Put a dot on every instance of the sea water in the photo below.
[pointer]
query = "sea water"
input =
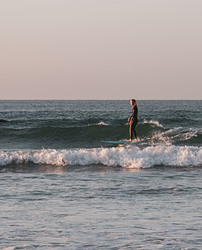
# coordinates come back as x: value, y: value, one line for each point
x: 61, y: 187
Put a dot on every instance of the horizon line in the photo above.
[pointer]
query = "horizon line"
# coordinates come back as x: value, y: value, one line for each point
x: 62, y: 99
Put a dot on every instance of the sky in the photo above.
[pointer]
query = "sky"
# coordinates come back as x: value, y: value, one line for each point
x: 101, y: 49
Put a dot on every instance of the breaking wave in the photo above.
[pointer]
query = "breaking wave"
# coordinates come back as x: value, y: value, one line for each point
x: 128, y: 157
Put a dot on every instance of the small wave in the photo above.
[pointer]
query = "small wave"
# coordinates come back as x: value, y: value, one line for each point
x: 186, y: 135
x: 128, y: 157
x: 182, y: 134
x: 91, y: 135
x: 102, y: 124
x: 156, y: 123
x: 173, y: 131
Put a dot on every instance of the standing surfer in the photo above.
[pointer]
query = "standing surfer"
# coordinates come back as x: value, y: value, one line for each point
x: 133, y: 120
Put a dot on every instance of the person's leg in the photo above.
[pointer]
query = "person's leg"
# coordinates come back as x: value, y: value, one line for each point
x: 135, y: 134
x: 130, y: 132
x: 133, y: 129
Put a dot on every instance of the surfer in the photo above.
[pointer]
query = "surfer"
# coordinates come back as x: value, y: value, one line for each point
x: 133, y: 120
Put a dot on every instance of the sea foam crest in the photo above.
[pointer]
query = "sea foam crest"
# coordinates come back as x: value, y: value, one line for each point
x: 156, y: 123
x: 181, y: 133
x: 129, y: 157
x: 102, y: 124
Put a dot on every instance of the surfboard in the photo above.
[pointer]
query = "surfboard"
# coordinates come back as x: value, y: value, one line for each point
x: 122, y: 143
x: 119, y: 142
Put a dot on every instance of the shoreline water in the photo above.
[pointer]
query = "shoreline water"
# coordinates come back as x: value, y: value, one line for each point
x: 120, y: 208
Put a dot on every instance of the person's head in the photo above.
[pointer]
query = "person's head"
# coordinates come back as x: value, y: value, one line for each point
x: 132, y: 102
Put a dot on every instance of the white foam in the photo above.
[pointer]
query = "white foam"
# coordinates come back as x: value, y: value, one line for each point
x: 129, y: 157
x: 102, y: 124
x: 181, y: 133
x: 173, y: 131
x: 156, y: 123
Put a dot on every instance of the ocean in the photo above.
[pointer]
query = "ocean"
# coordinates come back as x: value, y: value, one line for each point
x: 62, y: 187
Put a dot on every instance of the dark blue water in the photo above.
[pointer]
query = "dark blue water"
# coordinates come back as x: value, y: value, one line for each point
x: 61, y: 187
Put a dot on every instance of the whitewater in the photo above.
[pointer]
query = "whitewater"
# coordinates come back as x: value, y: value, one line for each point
x: 129, y: 157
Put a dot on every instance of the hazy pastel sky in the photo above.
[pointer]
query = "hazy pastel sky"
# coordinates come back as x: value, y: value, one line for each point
x: 101, y: 49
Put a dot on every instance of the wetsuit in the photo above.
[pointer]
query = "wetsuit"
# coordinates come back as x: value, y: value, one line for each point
x: 133, y: 122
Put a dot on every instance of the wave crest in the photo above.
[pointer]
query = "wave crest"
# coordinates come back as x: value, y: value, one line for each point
x: 152, y: 122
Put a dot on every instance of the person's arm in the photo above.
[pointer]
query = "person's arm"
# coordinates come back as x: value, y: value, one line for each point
x: 130, y: 118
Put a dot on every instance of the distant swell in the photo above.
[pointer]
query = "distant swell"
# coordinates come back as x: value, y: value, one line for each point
x: 129, y: 157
